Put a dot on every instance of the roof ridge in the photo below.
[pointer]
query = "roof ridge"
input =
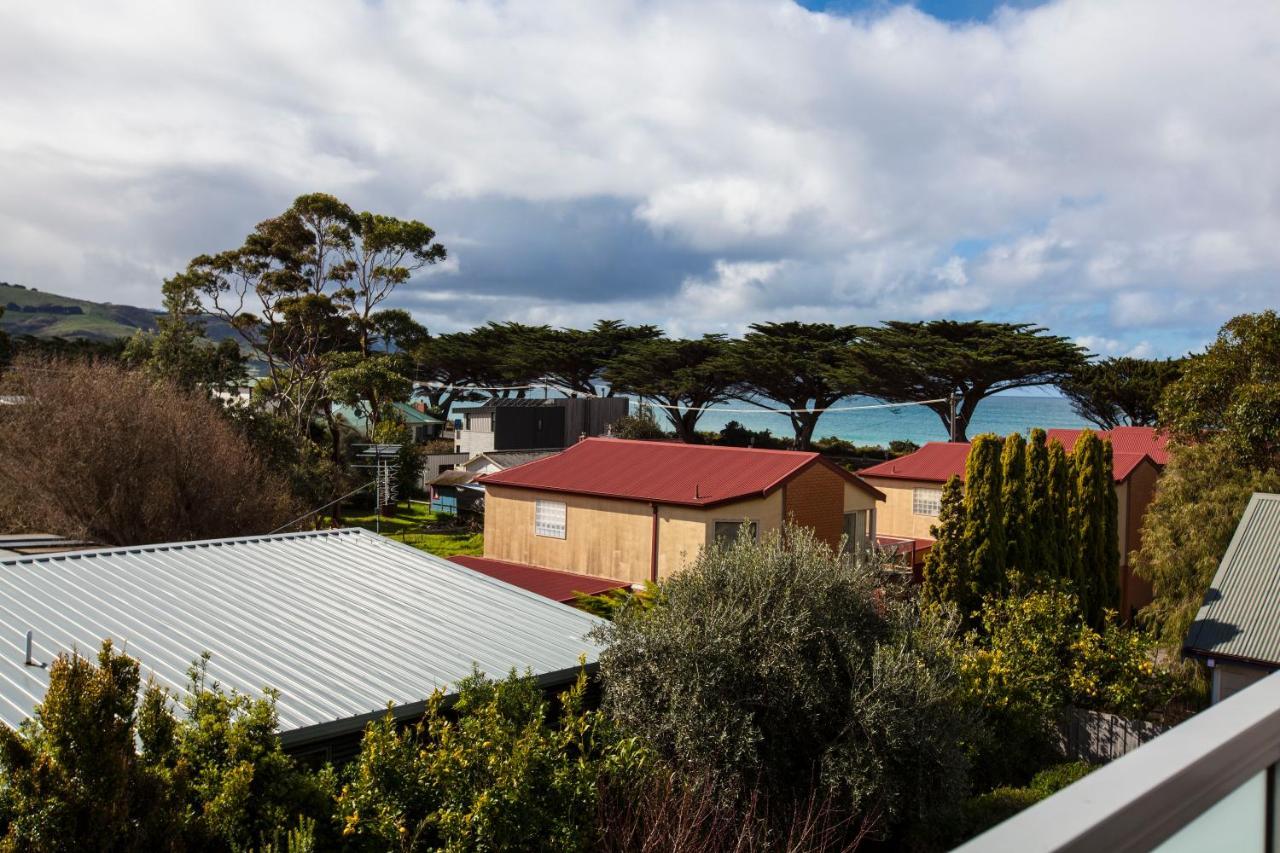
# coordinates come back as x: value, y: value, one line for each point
x: 193, y: 543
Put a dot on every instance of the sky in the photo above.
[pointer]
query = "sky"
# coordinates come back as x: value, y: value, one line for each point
x: 1109, y: 169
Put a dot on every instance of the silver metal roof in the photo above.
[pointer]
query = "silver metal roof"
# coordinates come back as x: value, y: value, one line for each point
x: 340, y: 622
x: 1241, y: 613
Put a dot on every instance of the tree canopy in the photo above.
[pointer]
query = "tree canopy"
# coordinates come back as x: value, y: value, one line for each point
x: 1231, y: 393
x: 1120, y: 391
x: 680, y: 376
x: 795, y: 365
x: 905, y: 362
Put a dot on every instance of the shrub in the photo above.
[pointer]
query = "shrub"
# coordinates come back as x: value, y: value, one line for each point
x: 492, y: 773
x: 213, y: 778
x: 103, y: 453
x: 770, y: 669
x: 986, y: 810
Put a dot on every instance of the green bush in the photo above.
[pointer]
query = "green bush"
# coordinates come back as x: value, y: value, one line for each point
x: 491, y: 773
x: 986, y: 810
x: 212, y: 778
x: 773, y: 667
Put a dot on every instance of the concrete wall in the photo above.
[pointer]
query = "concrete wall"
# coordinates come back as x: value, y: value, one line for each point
x: 895, y: 517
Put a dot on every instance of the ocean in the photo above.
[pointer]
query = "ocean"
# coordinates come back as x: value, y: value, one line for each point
x: 1001, y: 414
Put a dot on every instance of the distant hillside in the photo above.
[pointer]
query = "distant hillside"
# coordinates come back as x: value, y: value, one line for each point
x: 47, y: 315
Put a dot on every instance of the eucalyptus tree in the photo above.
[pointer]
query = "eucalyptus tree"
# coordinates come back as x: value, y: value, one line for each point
x: 306, y: 284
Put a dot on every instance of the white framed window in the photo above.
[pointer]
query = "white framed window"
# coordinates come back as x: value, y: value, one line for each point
x: 548, y: 519
x: 727, y: 532
x: 926, y: 501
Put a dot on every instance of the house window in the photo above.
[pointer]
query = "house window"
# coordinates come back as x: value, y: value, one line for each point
x: 727, y: 532
x: 926, y: 501
x: 548, y: 519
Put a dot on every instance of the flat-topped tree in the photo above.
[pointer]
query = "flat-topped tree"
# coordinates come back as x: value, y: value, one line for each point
x: 902, y: 362
x: 682, y: 376
x: 797, y: 369
x: 576, y: 359
x: 1120, y: 391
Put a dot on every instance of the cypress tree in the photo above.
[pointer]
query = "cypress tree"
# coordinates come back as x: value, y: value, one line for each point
x: 1111, y: 555
x: 946, y: 565
x: 984, y: 516
x: 1061, y: 540
x: 1089, y: 513
x: 1042, y: 558
x: 1013, y: 496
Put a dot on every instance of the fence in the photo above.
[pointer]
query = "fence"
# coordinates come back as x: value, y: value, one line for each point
x: 1098, y: 737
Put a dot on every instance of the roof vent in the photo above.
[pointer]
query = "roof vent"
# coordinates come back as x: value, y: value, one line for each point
x: 30, y: 661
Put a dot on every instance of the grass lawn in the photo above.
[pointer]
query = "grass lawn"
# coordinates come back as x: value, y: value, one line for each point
x: 412, y: 517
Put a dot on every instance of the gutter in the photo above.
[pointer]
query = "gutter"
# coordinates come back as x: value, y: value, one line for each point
x: 409, y: 712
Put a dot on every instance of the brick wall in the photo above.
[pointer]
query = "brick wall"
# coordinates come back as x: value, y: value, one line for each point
x: 815, y: 498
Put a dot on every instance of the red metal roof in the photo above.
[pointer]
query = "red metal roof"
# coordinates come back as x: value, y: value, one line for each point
x: 665, y: 472
x: 558, y: 586
x: 1126, y: 439
x: 934, y: 463
x: 937, y: 461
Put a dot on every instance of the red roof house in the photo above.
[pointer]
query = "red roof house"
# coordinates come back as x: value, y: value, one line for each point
x: 558, y: 586
x: 640, y: 510
x: 1125, y: 439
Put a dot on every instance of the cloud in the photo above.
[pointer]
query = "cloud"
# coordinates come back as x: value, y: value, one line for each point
x: 701, y: 165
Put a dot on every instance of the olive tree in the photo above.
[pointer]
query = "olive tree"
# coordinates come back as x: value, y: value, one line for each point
x: 770, y: 668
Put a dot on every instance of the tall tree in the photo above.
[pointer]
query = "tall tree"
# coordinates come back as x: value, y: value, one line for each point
x: 947, y: 576
x: 576, y: 359
x: 984, y: 516
x: 1041, y: 520
x: 1018, y: 533
x: 1186, y: 530
x: 180, y: 351
x: 798, y: 369
x: 308, y: 283
x: 1095, y: 535
x: 1064, y: 536
x: 1120, y: 391
x: 682, y: 377
x: 1231, y: 393
x: 905, y: 362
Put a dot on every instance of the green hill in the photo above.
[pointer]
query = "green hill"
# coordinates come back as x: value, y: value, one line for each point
x: 47, y: 315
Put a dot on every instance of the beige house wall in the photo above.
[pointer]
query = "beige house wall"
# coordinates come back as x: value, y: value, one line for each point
x: 603, y: 536
x: 607, y: 537
x: 683, y: 531
x: 894, y: 517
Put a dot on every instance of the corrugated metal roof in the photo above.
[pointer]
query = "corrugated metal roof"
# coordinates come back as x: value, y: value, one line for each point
x: 553, y: 584
x: 935, y: 462
x: 938, y: 460
x: 664, y: 472
x: 1241, y: 613
x: 510, y: 458
x: 1125, y: 439
x: 340, y: 622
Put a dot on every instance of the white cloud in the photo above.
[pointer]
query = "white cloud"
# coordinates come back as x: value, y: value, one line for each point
x: 1114, y: 159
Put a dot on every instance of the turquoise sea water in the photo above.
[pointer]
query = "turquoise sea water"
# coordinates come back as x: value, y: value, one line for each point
x: 1001, y: 414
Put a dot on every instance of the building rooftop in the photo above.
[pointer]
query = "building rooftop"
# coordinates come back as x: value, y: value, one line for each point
x: 1240, y: 618
x: 558, y: 586
x: 510, y: 458
x: 665, y: 472
x: 1126, y: 439
x: 938, y: 460
x: 340, y: 622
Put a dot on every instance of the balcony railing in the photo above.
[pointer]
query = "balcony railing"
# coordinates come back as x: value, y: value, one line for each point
x: 1207, y: 784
